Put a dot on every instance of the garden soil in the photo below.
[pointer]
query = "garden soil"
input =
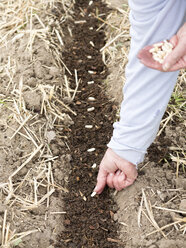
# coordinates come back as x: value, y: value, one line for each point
x: 74, y: 218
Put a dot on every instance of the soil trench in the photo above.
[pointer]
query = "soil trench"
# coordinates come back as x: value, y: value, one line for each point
x: 88, y: 220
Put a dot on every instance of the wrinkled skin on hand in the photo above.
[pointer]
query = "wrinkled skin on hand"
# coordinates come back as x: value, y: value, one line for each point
x: 115, y: 172
x: 176, y: 60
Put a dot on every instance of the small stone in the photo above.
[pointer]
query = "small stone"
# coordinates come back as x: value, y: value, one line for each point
x: 50, y: 135
x: 162, y: 196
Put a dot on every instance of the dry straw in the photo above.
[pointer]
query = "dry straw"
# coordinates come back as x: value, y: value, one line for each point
x: 17, y: 28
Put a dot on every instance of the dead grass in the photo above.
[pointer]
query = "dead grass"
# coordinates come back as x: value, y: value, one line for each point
x: 146, y: 209
x: 115, y: 52
x: 26, y: 20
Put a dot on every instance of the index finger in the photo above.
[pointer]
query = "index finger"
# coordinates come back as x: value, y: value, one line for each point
x: 101, y: 181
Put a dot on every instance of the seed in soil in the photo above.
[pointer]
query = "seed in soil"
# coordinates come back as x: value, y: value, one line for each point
x: 90, y: 109
x: 90, y: 3
x: 93, y: 194
x: 94, y: 166
x: 91, y: 72
x: 91, y: 98
x: 88, y: 126
x: 90, y: 82
x: 91, y: 150
x: 92, y: 44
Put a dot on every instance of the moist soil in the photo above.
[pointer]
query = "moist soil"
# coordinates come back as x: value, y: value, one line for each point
x: 98, y: 221
x: 89, y: 220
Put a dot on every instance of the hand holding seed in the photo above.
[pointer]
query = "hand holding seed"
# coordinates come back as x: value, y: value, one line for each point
x: 115, y: 171
x: 166, y: 56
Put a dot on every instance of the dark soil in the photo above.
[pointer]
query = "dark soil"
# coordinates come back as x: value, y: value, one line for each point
x: 89, y: 220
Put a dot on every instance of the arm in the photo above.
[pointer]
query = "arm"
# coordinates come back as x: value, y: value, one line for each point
x: 146, y: 93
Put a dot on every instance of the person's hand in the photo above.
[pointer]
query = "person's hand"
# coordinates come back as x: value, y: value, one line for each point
x: 115, y: 171
x: 176, y: 60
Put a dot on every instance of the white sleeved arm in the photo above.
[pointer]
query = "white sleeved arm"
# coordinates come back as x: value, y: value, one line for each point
x: 147, y: 91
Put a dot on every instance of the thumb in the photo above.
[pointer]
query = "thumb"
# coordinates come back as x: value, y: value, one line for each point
x: 174, y: 56
x: 101, y: 181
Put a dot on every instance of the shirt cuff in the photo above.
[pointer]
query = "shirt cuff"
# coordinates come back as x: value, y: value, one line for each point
x: 128, y: 153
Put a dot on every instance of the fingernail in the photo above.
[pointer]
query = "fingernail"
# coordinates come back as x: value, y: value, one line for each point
x: 166, y: 66
x: 95, y: 189
x: 118, y: 172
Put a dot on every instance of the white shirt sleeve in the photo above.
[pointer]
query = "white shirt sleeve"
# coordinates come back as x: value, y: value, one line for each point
x: 147, y: 91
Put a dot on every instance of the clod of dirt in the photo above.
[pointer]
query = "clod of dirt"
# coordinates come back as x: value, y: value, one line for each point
x: 180, y: 183
x: 55, y: 149
x: 67, y: 121
x: 153, y: 246
x: 169, y: 175
x: 32, y: 82
x: 54, y: 71
x: 171, y: 244
x: 32, y: 100
x: 182, y: 206
x: 39, y: 70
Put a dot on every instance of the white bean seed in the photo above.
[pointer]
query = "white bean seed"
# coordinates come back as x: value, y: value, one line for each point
x: 161, y: 50
x: 90, y: 82
x: 90, y: 109
x: 91, y: 98
x: 93, y: 194
x: 91, y: 72
x: 88, y: 126
x: 91, y: 43
x: 94, y: 166
x: 91, y: 150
